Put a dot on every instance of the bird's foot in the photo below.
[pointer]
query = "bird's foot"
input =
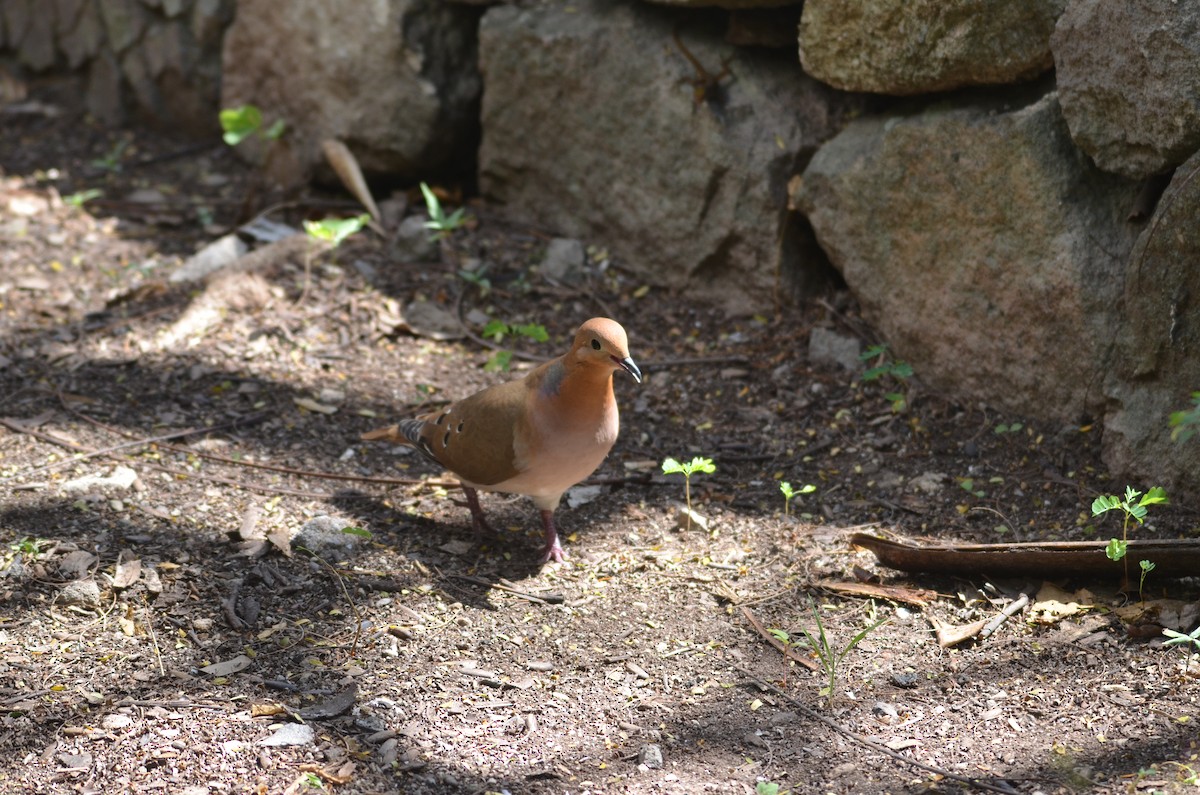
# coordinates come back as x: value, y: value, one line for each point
x: 477, y: 518
x: 553, y: 550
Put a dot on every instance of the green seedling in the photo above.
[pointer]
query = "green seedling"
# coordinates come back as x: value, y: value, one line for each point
x: 497, y: 330
x: 1133, y: 507
x: 671, y: 467
x: 244, y: 121
x: 1182, y: 640
x: 83, y: 197
x: 968, y: 485
x: 335, y: 230
x: 477, y: 278
x: 1146, y: 566
x: 885, y: 365
x: 827, y: 657
x: 1012, y: 428
x: 789, y: 493
x: 330, y: 230
x: 768, y: 788
x: 1185, y: 424
x: 111, y: 162
x: 441, y: 224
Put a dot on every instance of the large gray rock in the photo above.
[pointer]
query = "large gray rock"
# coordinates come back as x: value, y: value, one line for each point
x: 1157, y: 365
x: 394, y: 80
x: 1129, y: 78
x: 591, y: 129
x: 917, y: 46
x: 32, y: 32
x: 987, y: 249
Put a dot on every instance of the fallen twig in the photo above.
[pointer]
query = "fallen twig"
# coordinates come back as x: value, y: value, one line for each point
x: 1014, y: 607
x: 776, y: 642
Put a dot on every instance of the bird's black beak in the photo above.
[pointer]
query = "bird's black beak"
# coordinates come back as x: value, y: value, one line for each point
x: 628, y: 366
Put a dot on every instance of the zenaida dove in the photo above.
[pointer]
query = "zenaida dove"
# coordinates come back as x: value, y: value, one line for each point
x: 538, y: 435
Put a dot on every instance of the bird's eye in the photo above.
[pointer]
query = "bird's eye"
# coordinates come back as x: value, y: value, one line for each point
x: 596, y: 345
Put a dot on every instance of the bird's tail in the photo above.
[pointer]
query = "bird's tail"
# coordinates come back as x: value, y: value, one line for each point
x: 404, y: 432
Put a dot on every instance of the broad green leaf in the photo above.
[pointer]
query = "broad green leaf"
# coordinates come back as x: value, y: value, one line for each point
x: 239, y: 123
x: 1116, y: 548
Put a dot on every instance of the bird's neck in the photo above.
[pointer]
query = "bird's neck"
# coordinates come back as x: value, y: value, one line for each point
x: 577, y: 383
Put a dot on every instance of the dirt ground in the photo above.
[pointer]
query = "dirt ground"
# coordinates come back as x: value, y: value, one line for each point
x: 163, y: 629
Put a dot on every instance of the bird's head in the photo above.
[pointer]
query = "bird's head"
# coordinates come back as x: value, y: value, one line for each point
x: 601, y: 341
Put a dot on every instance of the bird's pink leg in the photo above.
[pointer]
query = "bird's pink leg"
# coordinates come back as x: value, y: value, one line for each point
x: 553, y: 550
x: 481, y: 522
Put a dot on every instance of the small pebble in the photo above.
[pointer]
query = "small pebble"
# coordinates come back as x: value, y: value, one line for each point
x: 651, y: 756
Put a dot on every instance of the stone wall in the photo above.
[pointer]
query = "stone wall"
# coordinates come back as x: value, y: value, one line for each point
x: 985, y: 175
x: 156, y: 60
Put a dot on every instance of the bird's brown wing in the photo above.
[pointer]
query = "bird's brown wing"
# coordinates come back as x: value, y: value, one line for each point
x: 474, y: 438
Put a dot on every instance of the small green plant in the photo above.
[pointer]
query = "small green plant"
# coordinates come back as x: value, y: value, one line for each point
x: 441, y: 224
x: 1010, y: 428
x: 244, y: 121
x: 1133, y: 507
x: 885, y: 365
x: 336, y: 230
x: 1185, y: 424
x: 968, y: 485
x: 111, y: 161
x: 789, y: 493
x: 827, y: 656
x: 1146, y: 566
x: 497, y: 330
x: 768, y: 788
x: 1182, y: 640
x: 333, y: 231
x: 82, y: 197
x: 671, y: 467
x: 477, y: 278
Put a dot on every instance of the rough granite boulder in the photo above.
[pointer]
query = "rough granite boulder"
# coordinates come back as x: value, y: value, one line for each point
x: 985, y: 247
x: 1157, y: 362
x: 597, y: 125
x: 918, y: 46
x: 394, y: 80
x: 1129, y: 82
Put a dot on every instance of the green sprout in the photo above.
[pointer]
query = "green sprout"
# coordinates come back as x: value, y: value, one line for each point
x: 827, y: 656
x: 497, y: 330
x: 111, y: 162
x: 1147, y: 566
x: 789, y: 493
x: 335, y: 230
x: 441, y: 224
x: 1185, y: 424
x: 246, y: 120
x: 887, y: 366
x: 1180, y: 639
x: 82, y: 197
x: 671, y: 467
x: 1134, y: 507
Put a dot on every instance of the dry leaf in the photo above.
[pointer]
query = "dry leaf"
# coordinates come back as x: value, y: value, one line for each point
x: 127, y: 573
x: 238, y: 663
x: 312, y: 405
x: 281, y: 539
x: 1054, y: 604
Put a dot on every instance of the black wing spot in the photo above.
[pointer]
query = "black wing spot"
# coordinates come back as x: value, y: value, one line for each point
x: 446, y: 440
x: 460, y: 426
x: 438, y: 421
